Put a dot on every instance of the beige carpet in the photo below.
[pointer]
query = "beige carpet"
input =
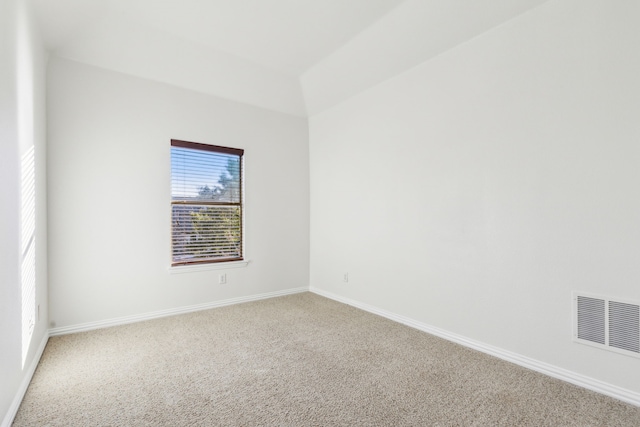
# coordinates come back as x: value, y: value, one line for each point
x: 299, y: 360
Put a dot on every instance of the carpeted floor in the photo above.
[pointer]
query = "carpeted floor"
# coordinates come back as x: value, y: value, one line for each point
x: 300, y: 360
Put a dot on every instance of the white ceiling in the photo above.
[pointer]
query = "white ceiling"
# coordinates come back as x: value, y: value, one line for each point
x: 293, y: 56
x: 287, y: 35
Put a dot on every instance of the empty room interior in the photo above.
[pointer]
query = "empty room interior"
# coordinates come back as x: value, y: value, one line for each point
x: 465, y: 171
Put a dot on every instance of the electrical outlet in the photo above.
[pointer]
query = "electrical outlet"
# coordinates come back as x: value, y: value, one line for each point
x: 222, y: 279
x: 345, y: 278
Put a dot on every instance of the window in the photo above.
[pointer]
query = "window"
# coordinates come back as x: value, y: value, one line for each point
x: 206, y: 203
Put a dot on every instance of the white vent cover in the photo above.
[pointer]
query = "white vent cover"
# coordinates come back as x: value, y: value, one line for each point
x: 610, y: 324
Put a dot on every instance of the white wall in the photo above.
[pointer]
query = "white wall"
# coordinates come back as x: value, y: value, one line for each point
x: 476, y: 191
x: 22, y: 127
x: 109, y: 193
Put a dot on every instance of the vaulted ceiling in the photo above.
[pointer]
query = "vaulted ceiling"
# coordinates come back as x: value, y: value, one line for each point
x: 294, y: 56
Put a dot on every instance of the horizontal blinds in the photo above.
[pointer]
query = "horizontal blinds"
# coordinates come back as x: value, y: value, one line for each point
x: 206, y: 197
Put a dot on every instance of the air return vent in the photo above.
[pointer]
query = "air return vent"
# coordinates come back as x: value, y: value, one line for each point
x: 610, y: 324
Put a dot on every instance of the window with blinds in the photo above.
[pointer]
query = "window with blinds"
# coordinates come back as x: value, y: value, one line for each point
x: 206, y: 203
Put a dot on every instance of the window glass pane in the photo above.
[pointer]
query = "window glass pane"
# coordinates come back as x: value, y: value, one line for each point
x: 204, y: 175
x: 206, y: 232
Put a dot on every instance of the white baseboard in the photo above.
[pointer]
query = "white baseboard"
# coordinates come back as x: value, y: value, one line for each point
x: 169, y: 312
x: 592, y: 384
x: 24, y: 385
